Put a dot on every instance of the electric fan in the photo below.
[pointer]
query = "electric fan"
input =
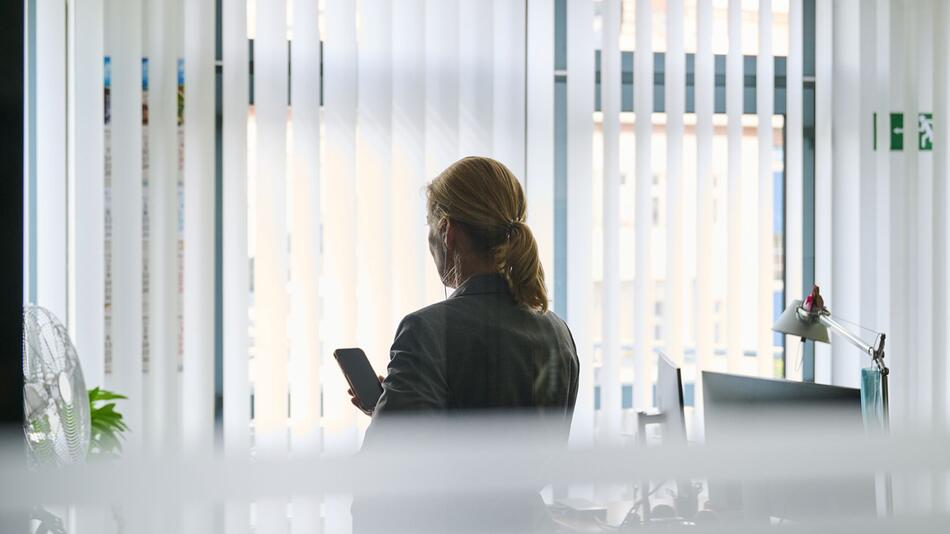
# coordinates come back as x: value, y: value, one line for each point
x: 56, y: 403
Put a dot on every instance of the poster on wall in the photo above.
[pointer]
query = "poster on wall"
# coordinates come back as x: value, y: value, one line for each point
x: 146, y: 231
x: 107, y: 191
x: 180, y: 188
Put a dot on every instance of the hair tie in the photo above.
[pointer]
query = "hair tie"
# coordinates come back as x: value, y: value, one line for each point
x: 509, y: 227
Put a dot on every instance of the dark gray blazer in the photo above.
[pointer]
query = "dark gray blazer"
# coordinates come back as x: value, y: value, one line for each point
x: 478, y: 350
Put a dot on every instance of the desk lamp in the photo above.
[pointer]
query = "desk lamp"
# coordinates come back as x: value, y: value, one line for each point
x: 812, y: 320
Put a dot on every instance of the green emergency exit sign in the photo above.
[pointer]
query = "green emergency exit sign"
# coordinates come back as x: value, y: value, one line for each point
x: 895, y: 130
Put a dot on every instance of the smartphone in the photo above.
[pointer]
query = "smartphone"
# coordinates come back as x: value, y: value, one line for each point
x: 360, y: 375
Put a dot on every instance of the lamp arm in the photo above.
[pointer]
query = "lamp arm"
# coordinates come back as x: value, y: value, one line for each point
x: 842, y: 331
x: 876, y: 353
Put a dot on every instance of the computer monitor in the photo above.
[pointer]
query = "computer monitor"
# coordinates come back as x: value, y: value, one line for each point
x: 767, y: 405
x: 669, y: 400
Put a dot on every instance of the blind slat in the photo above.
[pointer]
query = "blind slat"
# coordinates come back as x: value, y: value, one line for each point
x: 580, y: 107
x: 735, y: 258
x: 305, y: 227
x: 922, y: 276
x: 704, y: 221
x: 306, y: 355
x: 235, y: 262
x: 764, y: 68
x: 941, y: 90
x: 162, y: 387
x: 539, y: 173
x: 643, y: 291
x: 883, y: 203
x: 867, y: 301
x: 50, y: 138
x: 270, y: 254
x: 271, y: 304
x: 409, y: 159
x: 198, y: 372
x: 794, y: 199
x: 476, y: 45
x: 340, y: 214
x: 123, y: 45
x: 442, y: 97
x: 611, y: 349
x: 848, y: 183
x: 675, y: 100
x: 87, y: 289
x: 373, y: 163
x: 823, y: 172
x: 508, y: 85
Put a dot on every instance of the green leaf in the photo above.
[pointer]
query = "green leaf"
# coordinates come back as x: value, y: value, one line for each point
x: 98, y: 394
x: 107, y: 424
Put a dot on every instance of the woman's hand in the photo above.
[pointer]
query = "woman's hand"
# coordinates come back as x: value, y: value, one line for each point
x: 356, y: 403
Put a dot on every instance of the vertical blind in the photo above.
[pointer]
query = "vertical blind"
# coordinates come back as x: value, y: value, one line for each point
x: 326, y: 143
x: 327, y: 140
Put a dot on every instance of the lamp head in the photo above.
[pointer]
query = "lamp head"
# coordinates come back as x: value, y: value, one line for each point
x: 796, y: 321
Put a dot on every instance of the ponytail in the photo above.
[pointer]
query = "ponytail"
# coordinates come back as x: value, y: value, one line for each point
x: 518, y: 260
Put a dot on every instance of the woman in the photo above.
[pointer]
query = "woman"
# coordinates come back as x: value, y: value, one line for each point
x: 493, y: 345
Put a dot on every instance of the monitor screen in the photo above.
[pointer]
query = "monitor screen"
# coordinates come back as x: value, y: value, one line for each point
x: 762, y: 406
x: 669, y: 400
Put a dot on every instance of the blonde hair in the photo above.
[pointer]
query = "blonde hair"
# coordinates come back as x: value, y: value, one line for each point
x: 484, y: 197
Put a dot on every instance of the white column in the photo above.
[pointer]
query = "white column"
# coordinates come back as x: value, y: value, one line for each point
x: 235, y: 261
x: 409, y: 174
x: 766, y: 235
x: 198, y: 371
x: 610, y: 427
x: 124, y: 45
x: 580, y: 107
x: 509, y: 66
x: 823, y: 170
x: 794, y: 244
x: 51, y: 178
x: 373, y: 164
x: 704, y: 139
x: 539, y: 174
x: 476, y: 45
x: 734, y: 89
x: 675, y: 98
x: 86, y: 283
x: 644, y: 281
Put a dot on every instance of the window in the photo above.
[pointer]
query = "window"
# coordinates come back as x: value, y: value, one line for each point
x: 708, y: 263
